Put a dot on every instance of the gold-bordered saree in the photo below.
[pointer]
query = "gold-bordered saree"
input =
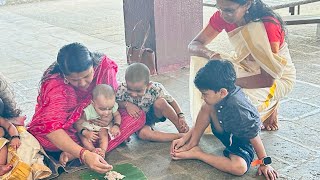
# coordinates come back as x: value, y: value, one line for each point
x: 27, y: 161
x: 252, y: 51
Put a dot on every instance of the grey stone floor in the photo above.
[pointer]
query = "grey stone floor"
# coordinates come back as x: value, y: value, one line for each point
x: 31, y: 35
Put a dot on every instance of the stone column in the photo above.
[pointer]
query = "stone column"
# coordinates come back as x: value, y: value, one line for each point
x: 174, y: 23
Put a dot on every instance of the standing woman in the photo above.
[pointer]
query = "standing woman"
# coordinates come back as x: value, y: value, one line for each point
x: 66, y: 89
x: 261, y: 58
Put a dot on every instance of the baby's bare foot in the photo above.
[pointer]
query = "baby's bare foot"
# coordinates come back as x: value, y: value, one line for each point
x: 5, y: 169
x: 65, y: 157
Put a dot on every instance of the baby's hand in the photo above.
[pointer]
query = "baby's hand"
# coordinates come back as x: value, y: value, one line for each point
x: 15, y: 143
x: 115, y: 131
x: 91, y: 135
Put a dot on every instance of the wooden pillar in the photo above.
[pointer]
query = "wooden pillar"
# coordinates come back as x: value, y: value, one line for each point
x: 174, y: 23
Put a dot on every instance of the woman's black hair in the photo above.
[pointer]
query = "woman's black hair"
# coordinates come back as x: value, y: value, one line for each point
x: 258, y: 11
x: 72, y: 58
x: 9, y: 109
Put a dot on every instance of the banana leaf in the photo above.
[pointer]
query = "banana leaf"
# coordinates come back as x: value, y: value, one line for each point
x: 131, y: 172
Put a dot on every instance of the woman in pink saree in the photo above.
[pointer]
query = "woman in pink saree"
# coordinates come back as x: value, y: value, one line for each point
x: 65, y: 91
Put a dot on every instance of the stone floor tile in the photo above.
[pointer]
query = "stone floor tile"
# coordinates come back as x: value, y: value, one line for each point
x: 293, y: 109
x: 300, y: 132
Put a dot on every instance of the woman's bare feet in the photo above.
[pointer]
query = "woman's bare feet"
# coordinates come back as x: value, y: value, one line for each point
x: 5, y: 169
x: 271, y: 123
x: 65, y: 157
x: 101, y: 152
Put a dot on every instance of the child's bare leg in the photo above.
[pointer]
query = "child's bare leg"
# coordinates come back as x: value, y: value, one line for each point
x: 3, y: 161
x: 3, y: 155
x: 65, y: 157
x: 87, y: 143
x: 163, y: 108
x: 3, y: 150
x: 146, y: 133
x: 2, y: 132
x: 104, y: 139
x: 5, y: 169
x: 233, y: 164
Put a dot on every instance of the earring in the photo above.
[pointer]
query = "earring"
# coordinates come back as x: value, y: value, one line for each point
x: 65, y: 80
x: 247, y: 12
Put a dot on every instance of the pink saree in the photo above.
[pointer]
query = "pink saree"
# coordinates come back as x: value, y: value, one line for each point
x: 60, y: 105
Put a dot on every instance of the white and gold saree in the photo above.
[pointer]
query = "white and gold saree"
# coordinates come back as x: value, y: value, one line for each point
x: 252, y: 51
x: 27, y: 161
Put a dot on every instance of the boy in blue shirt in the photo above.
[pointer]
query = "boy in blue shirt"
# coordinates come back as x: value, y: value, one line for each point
x: 233, y: 119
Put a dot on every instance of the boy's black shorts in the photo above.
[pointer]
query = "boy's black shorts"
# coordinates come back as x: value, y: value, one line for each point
x: 245, y: 151
x: 238, y: 147
x: 152, y: 119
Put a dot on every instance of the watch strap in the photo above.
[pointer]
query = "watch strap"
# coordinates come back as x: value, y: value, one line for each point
x: 257, y: 162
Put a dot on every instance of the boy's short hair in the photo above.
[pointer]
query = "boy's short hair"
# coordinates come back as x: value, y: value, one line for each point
x: 216, y: 74
x: 103, y: 89
x: 137, y: 72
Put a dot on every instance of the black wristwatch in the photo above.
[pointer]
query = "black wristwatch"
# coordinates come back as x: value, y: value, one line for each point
x: 266, y: 160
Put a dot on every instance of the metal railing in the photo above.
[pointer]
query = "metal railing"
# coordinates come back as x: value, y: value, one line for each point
x: 290, y: 5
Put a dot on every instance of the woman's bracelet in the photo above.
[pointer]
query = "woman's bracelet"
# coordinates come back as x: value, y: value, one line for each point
x: 83, y: 151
